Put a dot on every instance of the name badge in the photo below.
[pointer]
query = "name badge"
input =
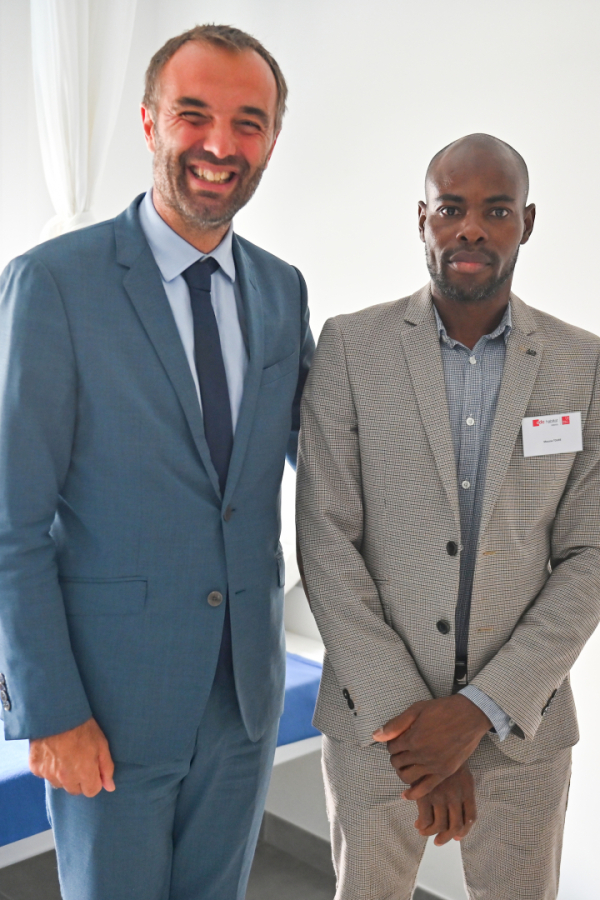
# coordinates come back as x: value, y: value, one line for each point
x: 552, y: 434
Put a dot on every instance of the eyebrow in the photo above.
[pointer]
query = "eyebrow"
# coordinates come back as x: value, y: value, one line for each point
x: 455, y: 198
x: 247, y: 110
x: 191, y: 101
x: 500, y: 198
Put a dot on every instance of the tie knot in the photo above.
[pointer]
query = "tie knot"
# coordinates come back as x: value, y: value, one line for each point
x: 198, y: 274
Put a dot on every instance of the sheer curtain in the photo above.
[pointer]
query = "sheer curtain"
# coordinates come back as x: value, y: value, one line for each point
x: 80, y: 50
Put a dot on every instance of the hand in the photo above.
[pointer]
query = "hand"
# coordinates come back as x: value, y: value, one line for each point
x: 431, y: 740
x: 449, y: 810
x: 78, y: 760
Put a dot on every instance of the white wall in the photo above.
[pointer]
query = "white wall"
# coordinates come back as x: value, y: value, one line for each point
x: 376, y: 89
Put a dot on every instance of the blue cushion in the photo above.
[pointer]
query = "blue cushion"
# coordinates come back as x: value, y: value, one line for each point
x: 302, y: 679
x: 22, y: 798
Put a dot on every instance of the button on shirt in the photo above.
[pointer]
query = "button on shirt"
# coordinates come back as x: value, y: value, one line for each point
x: 173, y: 255
x: 473, y: 379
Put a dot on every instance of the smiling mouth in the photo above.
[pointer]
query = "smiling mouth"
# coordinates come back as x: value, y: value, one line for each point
x: 212, y: 177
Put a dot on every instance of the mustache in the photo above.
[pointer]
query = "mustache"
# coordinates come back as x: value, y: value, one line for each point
x: 190, y: 157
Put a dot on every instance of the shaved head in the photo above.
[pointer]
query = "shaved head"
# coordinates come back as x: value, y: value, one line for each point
x: 471, y: 146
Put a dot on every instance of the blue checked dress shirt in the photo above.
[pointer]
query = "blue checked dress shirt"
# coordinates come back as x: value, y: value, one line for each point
x: 473, y: 379
x: 173, y: 255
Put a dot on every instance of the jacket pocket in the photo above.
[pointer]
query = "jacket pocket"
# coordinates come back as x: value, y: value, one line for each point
x: 279, y: 369
x: 104, y: 596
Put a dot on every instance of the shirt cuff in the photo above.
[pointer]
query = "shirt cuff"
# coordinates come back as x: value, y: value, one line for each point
x: 500, y: 720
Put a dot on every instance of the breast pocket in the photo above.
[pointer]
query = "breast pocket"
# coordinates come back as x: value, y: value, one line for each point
x: 283, y: 367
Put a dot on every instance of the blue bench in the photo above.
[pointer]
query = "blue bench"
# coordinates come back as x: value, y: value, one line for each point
x: 22, y: 799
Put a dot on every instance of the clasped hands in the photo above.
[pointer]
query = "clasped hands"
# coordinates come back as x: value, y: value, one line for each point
x: 429, y: 745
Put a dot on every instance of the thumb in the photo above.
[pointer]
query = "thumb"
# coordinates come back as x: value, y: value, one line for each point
x: 107, y: 769
x: 395, y: 727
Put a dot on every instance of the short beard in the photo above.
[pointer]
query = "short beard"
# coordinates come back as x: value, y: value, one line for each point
x: 478, y: 293
x: 171, y: 183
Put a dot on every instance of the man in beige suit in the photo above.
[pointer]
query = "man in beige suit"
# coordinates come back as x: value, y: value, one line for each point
x: 449, y: 525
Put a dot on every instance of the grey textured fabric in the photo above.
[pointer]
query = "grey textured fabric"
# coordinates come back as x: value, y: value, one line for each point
x: 473, y: 379
x: 512, y: 852
x: 378, y: 506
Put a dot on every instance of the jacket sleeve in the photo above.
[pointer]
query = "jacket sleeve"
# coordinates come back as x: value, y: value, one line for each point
x: 307, y: 349
x: 373, y: 667
x: 523, y: 677
x: 38, y: 388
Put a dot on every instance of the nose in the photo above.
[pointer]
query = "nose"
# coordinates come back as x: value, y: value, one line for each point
x: 471, y: 230
x: 220, y: 140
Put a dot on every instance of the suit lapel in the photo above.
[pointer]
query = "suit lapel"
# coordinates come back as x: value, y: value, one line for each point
x: 254, y: 325
x: 421, y: 344
x: 523, y: 356
x: 144, y: 286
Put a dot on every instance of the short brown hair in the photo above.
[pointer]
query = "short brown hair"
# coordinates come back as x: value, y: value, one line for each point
x: 228, y: 38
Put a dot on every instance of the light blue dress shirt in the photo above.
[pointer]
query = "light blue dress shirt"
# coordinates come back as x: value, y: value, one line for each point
x: 173, y: 255
x: 473, y: 379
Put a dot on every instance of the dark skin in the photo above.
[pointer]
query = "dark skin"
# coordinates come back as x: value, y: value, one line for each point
x: 473, y: 221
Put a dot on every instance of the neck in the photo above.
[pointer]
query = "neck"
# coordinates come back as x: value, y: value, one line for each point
x: 203, y: 239
x: 468, y: 322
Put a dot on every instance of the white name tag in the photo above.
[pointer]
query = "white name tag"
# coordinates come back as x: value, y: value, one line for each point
x: 552, y: 434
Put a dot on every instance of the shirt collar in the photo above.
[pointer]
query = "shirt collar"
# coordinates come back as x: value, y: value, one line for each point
x: 172, y: 253
x: 505, y: 327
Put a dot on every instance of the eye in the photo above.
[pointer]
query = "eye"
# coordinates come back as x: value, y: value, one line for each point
x: 248, y: 126
x: 194, y: 117
x: 499, y: 212
x: 449, y: 211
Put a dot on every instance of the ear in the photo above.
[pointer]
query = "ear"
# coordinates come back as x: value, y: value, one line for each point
x: 529, y: 220
x: 148, y: 125
x: 422, y: 219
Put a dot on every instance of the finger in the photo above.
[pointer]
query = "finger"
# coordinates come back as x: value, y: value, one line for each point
x: 455, y: 824
x: 89, y: 779
x: 107, y: 769
x: 53, y: 781
x: 440, y: 818
x: 400, y: 744
x: 422, y: 787
x: 410, y: 774
x: 72, y: 787
x: 469, y: 816
x: 425, y: 817
x: 395, y: 727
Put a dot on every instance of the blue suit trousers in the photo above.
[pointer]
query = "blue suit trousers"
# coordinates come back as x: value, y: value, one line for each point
x: 181, y: 830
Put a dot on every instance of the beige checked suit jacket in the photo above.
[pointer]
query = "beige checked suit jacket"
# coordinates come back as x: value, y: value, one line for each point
x: 377, y: 505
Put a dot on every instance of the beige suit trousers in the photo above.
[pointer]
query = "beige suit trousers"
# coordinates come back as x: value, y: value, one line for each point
x: 512, y: 853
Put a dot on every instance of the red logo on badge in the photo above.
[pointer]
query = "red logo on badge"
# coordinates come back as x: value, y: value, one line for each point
x: 566, y: 420
x: 537, y: 422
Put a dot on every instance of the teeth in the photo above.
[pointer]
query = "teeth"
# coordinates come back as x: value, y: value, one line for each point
x: 208, y: 175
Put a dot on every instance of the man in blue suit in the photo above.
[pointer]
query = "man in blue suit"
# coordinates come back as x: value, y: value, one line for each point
x: 151, y: 369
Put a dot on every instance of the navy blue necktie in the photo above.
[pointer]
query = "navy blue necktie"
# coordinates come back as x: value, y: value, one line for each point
x: 216, y: 409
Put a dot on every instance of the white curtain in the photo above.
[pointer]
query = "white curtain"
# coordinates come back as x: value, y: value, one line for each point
x: 80, y: 50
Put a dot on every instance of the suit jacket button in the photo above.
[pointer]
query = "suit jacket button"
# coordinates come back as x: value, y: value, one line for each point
x: 215, y: 598
x: 2, y: 678
x: 452, y: 548
x: 227, y: 513
x: 349, y: 699
x: 443, y: 626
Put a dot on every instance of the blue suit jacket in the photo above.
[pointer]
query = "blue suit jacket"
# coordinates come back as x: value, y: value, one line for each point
x: 113, y: 530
